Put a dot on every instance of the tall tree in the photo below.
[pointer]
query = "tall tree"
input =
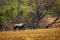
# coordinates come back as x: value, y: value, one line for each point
x: 41, y: 8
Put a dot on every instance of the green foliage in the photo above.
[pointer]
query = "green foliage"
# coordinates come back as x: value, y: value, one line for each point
x: 2, y: 15
x: 26, y: 10
x: 55, y: 10
x: 51, y: 13
x: 11, y: 10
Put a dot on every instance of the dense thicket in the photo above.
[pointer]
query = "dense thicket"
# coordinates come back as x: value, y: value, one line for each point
x: 34, y: 13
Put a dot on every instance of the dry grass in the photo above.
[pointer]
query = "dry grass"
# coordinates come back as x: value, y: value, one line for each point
x: 38, y: 34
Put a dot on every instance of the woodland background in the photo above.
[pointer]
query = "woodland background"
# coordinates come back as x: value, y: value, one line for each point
x: 34, y: 13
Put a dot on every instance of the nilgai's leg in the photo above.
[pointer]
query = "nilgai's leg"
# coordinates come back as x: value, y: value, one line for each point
x: 19, y: 29
x: 14, y: 29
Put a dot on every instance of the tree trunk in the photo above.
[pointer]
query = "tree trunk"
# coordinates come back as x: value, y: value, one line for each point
x: 37, y: 17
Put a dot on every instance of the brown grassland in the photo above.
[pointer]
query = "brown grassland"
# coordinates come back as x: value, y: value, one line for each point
x: 37, y: 34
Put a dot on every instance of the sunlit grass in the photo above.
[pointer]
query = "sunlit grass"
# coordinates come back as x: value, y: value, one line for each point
x: 37, y: 34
